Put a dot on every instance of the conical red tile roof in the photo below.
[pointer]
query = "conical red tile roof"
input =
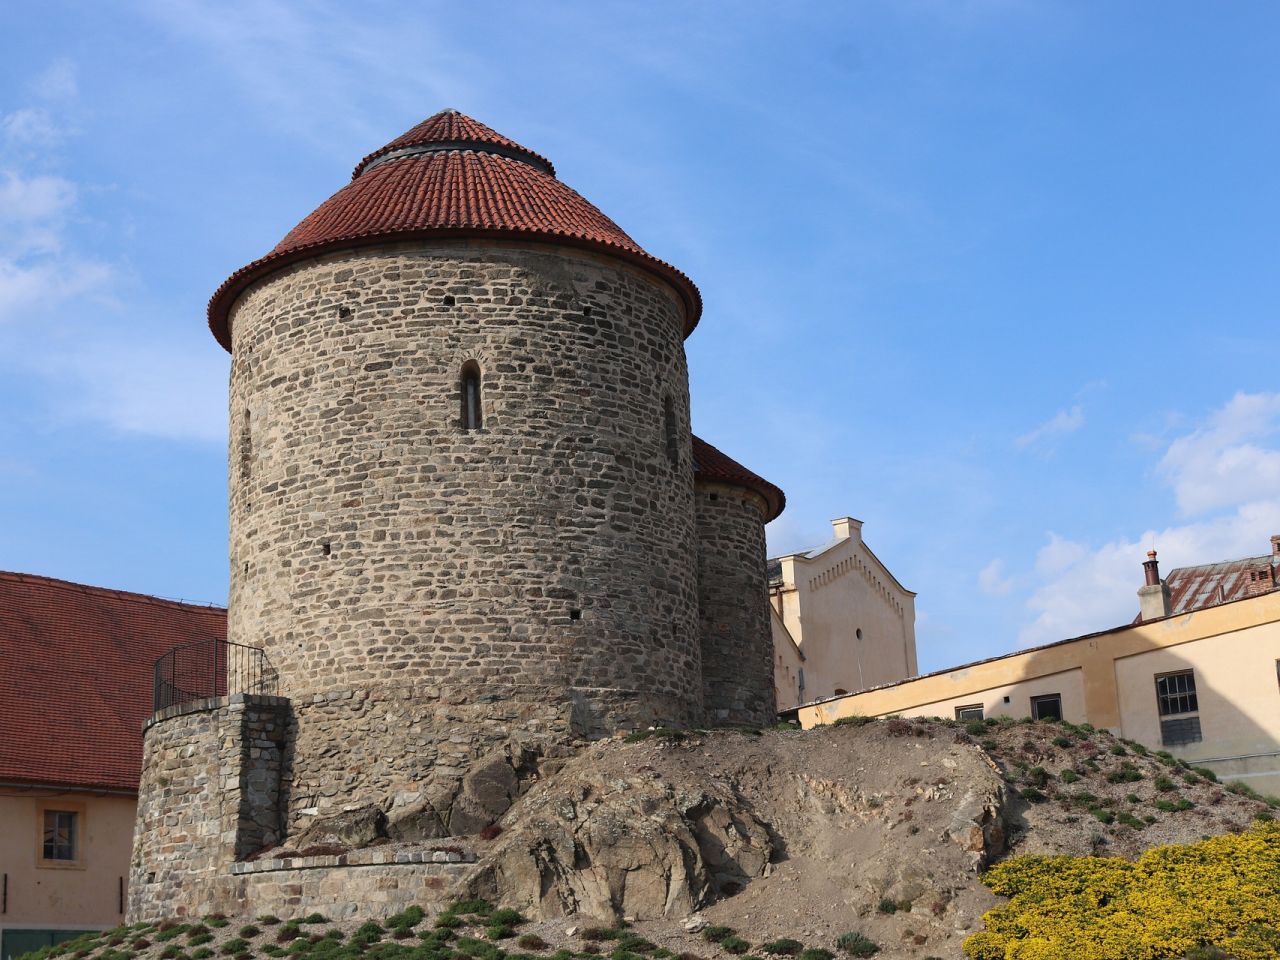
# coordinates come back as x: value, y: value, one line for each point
x: 450, y: 177
x: 715, y: 466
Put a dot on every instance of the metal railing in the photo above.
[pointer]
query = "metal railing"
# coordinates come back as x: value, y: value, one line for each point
x: 211, y: 668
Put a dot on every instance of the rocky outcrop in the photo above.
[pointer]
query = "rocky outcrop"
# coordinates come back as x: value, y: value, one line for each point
x: 667, y: 827
x: 605, y: 846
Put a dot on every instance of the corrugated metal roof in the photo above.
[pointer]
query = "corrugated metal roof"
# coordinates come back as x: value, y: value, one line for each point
x: 1192, y: 588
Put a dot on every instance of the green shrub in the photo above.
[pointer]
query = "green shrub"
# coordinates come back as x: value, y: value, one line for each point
x: 1106, y: 816
x: 531, y: 941
x: 1061, y: 741
x: 1172, y: 806
x: 887, y: 905
x: 449, y: 921
x: 602, y: 933
x: 735, y: 945
x: 287, y: 932
x: 817, y: 953
x: 856, y: 945
x: 1032, y: 795
x: 203, y: 953
x: 215, y: 920
x: 198, y: 938
x: 854, y: 721
x: 716, y: 934
x: 1164, y: 784
x: 249, y: 931
x: 314, y: 918
x: 1069, y: 776
x: 1206, y: 774
x: 169, y: 933
x: 975, y: 728
x: 1264, y: 816
x: 499, y: 931
x: 234, y: 946
x: 785, y: 947
x: 636, y: 944
x: 1127, y: 773
x: 1129, y: 820
x: 407, y: 918
x: 269, y: 919
x: 1118, y: 750
x: 506, y: 917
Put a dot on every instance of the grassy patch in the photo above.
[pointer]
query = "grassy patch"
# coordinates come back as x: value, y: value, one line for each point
x: 857, y: 945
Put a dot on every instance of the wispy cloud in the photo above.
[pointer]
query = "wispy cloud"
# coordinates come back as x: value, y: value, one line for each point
x: 992, y: 581
x: 1063, y: 422
x: 1225, y: 473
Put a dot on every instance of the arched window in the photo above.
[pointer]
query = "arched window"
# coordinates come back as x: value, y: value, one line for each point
x: 472, y: 417
x: 669, y: 425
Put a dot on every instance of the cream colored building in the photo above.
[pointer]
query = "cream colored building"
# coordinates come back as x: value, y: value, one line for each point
x: 75, y: 687
x: 1203, y: 684
x: 841, y: 621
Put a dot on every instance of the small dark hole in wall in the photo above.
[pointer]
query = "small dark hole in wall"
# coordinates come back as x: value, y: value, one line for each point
x: 344, y: 313
x: 859, y: 633
x: 448, y: 301
x: 1006, y: 699
x: 575, y: 614
x: 246, y: 567
x: 586, y: 311
x: 715, y: 496
x: 326, y: 548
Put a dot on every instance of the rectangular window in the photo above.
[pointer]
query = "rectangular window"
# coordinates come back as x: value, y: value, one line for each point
x: 1047, y: 707
x: 1174, y: 733
x: 1176, y: 693
x: 971, y: 712
x: 60, y: 840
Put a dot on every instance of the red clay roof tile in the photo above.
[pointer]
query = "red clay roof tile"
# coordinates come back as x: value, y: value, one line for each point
x: 460, y: 180
x: 76, y: 676
x: 716, y: 466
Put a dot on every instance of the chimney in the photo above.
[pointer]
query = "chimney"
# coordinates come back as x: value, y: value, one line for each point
x: 846, y: 528
x: 1153, y: 595
x: 1275, y: 545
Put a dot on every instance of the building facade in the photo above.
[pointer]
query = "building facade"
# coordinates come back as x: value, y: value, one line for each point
x: 1202, y: 683
x: 841, y: 621
x: 466, y: 506
x: 75, y: 689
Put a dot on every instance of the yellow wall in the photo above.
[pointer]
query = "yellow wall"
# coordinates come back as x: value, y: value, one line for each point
x: 84, y: 896
x: 828, y: 598
x: 1108, y: 679
x: 788, y: 665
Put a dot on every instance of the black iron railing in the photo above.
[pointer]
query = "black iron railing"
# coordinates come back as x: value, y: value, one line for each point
x: 211, y: 668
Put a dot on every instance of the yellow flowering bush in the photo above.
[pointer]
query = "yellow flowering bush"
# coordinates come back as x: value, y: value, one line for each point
x: 1222, y: 892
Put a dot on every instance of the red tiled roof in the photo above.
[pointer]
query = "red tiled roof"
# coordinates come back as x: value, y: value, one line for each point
x: 716, y: 466
x: 450, y: 126
x: 445, y: 188
x: 75, y: 678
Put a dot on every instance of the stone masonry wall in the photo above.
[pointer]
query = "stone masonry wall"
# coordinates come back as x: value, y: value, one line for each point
x: 737, y: 642
x: 209, y: 793
x: 395, y: 566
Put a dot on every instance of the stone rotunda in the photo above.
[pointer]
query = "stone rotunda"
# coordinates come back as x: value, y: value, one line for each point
x: 470, y: 526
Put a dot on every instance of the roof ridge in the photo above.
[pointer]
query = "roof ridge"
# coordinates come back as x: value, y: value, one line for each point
x: 133, y: 596
x: 1218, y: 563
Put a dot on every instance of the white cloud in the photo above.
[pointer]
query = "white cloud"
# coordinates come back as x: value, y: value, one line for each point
x: 992, y: 581
x: 1065, y: 421
x: 57, y: 81
x: 1223, y: 464
x: 30, y: 126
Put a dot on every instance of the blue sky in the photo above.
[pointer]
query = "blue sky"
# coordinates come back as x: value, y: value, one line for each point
x: 998, y: 278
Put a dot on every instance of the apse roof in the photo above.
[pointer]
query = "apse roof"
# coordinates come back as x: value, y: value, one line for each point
x: 451, y: 177
x: 716, y: 466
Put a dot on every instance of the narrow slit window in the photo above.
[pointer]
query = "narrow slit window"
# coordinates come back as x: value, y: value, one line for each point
x: 669, y: 425
x: 471, y: 410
